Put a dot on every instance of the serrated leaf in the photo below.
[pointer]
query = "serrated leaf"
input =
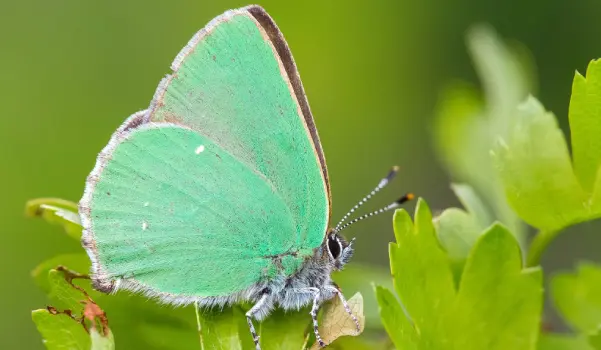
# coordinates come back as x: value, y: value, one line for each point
x: 421, y: 273
x: 563, y: 342
x: 585, y: 124
x: 57, y: 211
x: 60, y: 331
x: 336, y: 322
x: 577, y: 296
x: 498, y: 304
x: 540, y: 182
x: 101, y: 341
x: 535, y: 167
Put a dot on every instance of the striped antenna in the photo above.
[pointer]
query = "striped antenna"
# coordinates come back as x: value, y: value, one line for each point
x: 385, y: 181
x: 393, y: 205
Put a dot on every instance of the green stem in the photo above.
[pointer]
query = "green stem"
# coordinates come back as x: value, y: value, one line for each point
x: 196, y: 308
x: 538, y: 245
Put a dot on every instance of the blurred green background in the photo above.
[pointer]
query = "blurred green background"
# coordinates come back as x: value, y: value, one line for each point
x: 72, y: 71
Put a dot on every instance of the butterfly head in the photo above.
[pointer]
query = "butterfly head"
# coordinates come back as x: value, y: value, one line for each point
x: 340, y: 251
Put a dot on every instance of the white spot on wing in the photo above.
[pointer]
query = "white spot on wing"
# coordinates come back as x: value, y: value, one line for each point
x: 146, y: 204
x: 144, y: 225
x: 199, y: 149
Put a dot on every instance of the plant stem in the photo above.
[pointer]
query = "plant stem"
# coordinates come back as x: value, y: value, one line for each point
x: 538, y: 245
x: 196, y: 308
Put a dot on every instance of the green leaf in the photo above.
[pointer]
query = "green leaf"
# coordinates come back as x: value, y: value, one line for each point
x: 283, y: 330
x: 156, y: 326
x: 466, y: 127
x: 503, y: 75
x: 56, y: 211
x: 577, y: 296
x: 156, y: 336
x: 64, y: 294
x: 101, y: 341
x: 535, y: 165
x: 397, y: 324
x: 421, y: 273
x: 32, y: 206
x: 458, y: 229
x: 457, y: 232
x: 73, y: 311
x: 536, y: 170
x: 585, y: 124
x: 219, y: 329
x: 497, y: 305
x: 563, y: 342
x: 60, y: 331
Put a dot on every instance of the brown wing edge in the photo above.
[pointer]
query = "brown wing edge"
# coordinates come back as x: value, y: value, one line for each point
x: 278, y: 41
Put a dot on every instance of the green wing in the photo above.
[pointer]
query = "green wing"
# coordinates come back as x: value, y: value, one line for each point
x: 178, y: 218
x: 236, y: 83
x: 178, y: 214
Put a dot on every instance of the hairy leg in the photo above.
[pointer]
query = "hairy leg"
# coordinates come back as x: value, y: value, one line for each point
x: 313, y: 313
x: 257, y: 308
x: 335, y: 289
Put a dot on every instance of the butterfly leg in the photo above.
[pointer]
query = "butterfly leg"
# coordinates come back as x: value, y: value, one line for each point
x: 257, y: 308
x: 313, y: 313
x: 346, y: 306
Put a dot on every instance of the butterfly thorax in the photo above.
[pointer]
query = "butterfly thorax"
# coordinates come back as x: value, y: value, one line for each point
x: 314, y: 276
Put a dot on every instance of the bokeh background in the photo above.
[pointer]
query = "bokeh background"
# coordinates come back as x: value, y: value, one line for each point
x: 72, y: 71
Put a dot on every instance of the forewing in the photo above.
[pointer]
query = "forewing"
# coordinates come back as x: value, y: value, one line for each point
x: 169, y: 211
x: 236, y: 83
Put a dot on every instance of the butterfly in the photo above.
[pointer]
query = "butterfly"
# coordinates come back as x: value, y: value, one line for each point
x: 218, y: 193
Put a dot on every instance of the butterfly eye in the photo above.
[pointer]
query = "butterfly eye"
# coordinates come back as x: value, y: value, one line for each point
x: 334, y: 247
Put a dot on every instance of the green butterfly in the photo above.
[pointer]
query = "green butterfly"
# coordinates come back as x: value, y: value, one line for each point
x: 218, y: 193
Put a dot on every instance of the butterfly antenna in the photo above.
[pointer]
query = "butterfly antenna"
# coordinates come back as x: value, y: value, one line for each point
x: 391, y: 206
x: 385, y: 181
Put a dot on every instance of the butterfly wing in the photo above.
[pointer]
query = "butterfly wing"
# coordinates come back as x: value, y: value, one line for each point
x: 232, y: 84
x: 213, y: 224
x: 174, y: 212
